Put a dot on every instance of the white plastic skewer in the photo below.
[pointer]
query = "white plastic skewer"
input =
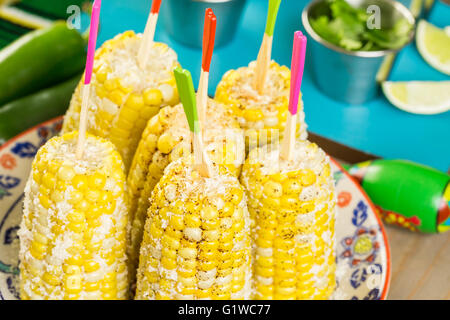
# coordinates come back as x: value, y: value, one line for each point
x: 265, y: 52
x: 263, y: 62
x: 290, y: 133
x: 149, y: 34
x: 83, y: 120
x: 201, y: 158
x: 202, y: 95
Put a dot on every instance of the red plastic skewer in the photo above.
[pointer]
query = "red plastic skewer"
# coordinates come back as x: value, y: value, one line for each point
x: 156, y: 4
x: 209, y: 35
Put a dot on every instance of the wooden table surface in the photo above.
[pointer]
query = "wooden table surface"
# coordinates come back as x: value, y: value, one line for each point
x: 420, y: 265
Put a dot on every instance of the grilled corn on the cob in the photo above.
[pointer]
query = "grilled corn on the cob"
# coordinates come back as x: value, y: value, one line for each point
x: 263, y: 117
x: 196, y: 242
x: 292, y: 207
x: 124, y: 97
x: 72, y: 236
x: 167, y: 138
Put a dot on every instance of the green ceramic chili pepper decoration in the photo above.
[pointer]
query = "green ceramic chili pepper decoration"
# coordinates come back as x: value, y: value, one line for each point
x: 407, y: 194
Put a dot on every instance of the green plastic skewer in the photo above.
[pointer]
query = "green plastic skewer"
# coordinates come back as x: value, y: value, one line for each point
x: 186, y: 92
x: 187, y: 95
x: 274, y: 5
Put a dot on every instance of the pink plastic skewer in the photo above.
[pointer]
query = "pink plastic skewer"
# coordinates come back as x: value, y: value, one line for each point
x: 297, y: 67
x: 95, y: 17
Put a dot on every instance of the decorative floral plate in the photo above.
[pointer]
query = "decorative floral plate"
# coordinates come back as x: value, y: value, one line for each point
x: 363, y: 263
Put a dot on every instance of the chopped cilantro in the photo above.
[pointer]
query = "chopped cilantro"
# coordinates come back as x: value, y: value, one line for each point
x: 345, y: 26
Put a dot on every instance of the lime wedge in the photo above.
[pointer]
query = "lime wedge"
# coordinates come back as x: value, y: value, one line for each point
x: 434, y: 46
x: 421, y: 97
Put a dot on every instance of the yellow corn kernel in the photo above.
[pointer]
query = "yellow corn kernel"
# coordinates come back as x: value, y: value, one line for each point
x: 96, y: 181
x: 117, y: 97
x: 192, y: 221
x: 273, y: 189
x: 91, y: 266
x: 264, y: 262
x: 168, y: 263
x: 110, y: 84
x: 166, y: 143
x: 38, y: 250
x: 170, y: 242
x: 101, y: 75
x: 149, y: 111
x: 51, y: 279
x: 129, y: 115
x: 227, y: 210
x: 237, y: 195
x: 253, y: 115
x: 80, y: 183
x: 135, y: 102
x: 72, y: 284
x: 48, y: 180
x: 209, y: 213
x: 153, y: 97
x: 66, y: 173
x: 177, y: 222
x: 292, y: 186
x: 307, y: 177
x: 174, y: 234
x: 204, y: 293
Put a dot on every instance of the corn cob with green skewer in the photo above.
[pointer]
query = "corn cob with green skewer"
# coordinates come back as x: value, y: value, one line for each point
x: 124, y: 97
x: 196, y: 241
x: 167, y: 138
x: 292, y: 207
x: 73, y: 232
x: 262, y: 116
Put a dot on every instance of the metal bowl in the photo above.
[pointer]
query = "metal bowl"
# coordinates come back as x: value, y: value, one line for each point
x: 351, y: 76
x: 183, y: 19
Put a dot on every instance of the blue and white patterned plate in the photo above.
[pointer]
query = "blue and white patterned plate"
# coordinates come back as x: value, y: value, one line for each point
x: 363, y: 270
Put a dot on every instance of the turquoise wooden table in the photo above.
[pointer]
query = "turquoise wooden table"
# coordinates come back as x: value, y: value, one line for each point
x: 376, y: 127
